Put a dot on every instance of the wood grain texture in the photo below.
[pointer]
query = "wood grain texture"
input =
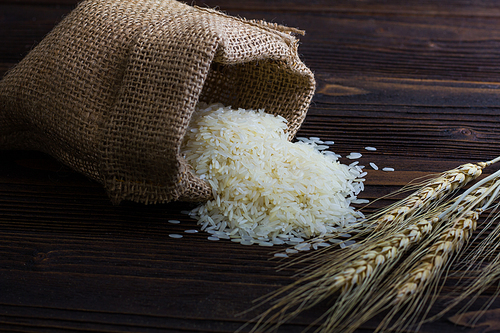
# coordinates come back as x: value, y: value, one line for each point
x: 419, y: 80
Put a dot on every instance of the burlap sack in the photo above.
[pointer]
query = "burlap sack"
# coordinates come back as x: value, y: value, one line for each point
x: 111, y: 90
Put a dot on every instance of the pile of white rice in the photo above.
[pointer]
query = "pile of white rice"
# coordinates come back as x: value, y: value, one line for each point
x: 266, y: 189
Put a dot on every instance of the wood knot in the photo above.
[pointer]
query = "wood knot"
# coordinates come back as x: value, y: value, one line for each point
x: 461, y: 133
x: 39, y: 257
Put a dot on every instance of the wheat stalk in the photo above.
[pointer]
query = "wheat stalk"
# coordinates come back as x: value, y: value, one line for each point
x: 487, y: 274
x: 359, y: 273
x: 374, y: 257
x: 458, y: 231
x: 423, y: 270
x: 378, y: 299
x: 390, y: 247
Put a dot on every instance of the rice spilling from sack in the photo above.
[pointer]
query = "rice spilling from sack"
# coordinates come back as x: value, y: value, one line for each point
x: 266, y: 188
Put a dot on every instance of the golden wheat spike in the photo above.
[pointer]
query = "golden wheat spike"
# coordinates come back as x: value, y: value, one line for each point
x: 413, y: 285
x: 372, y: 259
x: 451, y: 240
x: 416, y: 282
x: 390, y: 247
x: 434, y: 190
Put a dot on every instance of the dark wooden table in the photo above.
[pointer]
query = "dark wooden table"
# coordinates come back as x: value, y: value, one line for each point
x: 419, y: 80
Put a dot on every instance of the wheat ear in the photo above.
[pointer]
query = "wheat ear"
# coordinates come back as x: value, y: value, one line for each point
x: 418, y: 287
x: 390, y: 247
x: 423, y: 268
x: 396, y: 219
x: 375, y: 299
x: 331, y: 273
x: 435, y: 189
x: 474, y: 259
x: 355, y: 272
x: 450, y: 241
x: 458, y: 231
x: 412, y: 291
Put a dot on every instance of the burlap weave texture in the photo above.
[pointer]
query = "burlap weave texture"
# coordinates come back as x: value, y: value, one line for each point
x: 110, y: 91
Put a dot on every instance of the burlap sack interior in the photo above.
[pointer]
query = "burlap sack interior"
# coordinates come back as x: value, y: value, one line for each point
x: 110, y: 91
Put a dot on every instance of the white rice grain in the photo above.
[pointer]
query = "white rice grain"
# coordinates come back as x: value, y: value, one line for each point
x: 360, y: 201
x: 278, y: 241
x: 353, y: 156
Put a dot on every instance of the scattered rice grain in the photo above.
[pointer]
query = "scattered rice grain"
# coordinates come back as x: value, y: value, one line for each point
x: 360, y: 201
x: 353, y: 156
x: 175, y: 236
